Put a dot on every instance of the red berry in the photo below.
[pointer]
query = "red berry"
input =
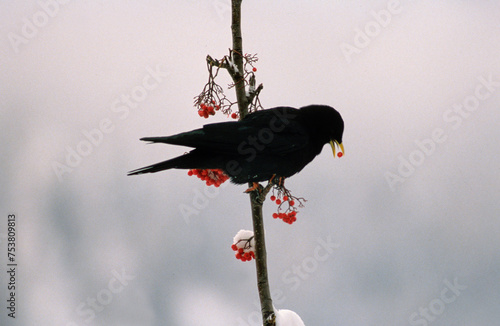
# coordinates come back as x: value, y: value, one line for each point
x: 340, y: 154
x: 292, y: 202
x: 234, y: 116
x: 278, y: 201
x: 285, y: 198
x: 234, y: 247
x: 273, y: 198
x: 254, y: 69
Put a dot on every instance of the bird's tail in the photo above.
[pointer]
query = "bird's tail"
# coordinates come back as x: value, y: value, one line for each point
x: 191, y: 160
x: 165, y: 165
x: 193, y: 138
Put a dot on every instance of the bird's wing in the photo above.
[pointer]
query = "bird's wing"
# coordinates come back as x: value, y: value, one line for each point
x: 276, y: 131
x: 214, y: 137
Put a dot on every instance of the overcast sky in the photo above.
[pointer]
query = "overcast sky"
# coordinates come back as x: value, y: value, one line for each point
x: 402, y: 230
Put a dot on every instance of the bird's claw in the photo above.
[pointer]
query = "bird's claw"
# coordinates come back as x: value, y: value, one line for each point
x: 279, y: 181
x: 255, y: 186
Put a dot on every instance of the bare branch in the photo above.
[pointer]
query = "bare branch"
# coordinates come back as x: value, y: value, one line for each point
x: 256, y: 202
x: 241, y: 69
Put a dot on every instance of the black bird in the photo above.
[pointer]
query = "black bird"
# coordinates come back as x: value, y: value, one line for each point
x: 277, y: 142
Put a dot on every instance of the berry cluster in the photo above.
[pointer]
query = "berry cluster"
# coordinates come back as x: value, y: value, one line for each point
x: 290, y: 215
x: 243, y: 255
x: 244, y: 245
x: 206, y: 110
x: 211, y: 177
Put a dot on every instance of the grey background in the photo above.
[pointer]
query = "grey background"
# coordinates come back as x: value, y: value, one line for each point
x: 395, y: 249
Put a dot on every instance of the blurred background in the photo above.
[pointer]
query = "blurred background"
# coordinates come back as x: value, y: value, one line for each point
x: 402, y: 230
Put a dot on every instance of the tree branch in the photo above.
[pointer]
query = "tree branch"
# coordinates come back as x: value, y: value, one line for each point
x: 266, y: 302
x: 252, y: 91
x: 237, y: 58
x: 256, y: 197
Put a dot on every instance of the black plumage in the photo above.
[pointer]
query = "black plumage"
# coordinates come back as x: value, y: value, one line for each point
x: 277, y: 142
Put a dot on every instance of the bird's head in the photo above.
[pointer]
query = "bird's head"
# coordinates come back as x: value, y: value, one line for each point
x: 327, y: 124
x: 334, y: 123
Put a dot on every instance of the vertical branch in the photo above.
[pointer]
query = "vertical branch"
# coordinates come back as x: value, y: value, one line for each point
x: 266, y: 302
x: 237, y: 57
x: 256, y: 199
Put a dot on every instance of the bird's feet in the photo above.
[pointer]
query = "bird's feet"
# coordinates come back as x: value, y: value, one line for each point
x: 278, y: 181
x: 255, y: 186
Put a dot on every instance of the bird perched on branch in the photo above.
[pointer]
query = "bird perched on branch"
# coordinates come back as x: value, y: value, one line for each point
x: 266, y: 144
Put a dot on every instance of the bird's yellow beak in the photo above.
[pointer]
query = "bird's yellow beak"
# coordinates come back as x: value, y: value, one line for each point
x: 341, y: 146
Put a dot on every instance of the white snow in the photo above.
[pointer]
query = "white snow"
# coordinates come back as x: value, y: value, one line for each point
x: 244, y: 235
x: 232, y: 64
x: 286, y: 317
